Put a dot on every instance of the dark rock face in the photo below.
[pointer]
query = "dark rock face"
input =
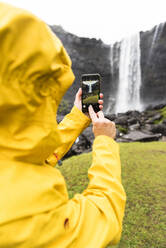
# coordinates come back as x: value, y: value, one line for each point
x: 88, y: 56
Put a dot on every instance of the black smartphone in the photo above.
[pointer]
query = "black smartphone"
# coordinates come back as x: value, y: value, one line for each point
x: 90, y: 91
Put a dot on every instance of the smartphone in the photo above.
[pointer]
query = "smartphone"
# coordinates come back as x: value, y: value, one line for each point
x: 90, y: 85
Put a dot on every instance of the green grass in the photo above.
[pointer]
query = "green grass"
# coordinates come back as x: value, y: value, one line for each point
x: 144, y: 180
x: 91, y: 99
x: 163, y: 112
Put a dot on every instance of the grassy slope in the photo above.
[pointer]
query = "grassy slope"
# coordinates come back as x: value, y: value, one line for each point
x: 144, y: 179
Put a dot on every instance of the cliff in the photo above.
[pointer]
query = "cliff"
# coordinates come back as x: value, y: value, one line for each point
x: 93, y: 56
x: 153, y: 65
x: 88, y: 56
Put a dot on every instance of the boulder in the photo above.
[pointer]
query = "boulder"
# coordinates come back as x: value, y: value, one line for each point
x: 141, y: 136
x: 164, y: 121
x: 81, y: 145
x: 132, y: 121
x: 156, y: 117
x: 111, y: 117
x: 159, y: 128
x: 134, y: 127
x: 121, y: 120
x: 155, y: 107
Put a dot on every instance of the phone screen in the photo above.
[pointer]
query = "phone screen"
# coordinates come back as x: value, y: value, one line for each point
x: 90, y: 91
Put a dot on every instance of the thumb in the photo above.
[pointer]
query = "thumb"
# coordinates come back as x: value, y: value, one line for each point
x: 92, y: 113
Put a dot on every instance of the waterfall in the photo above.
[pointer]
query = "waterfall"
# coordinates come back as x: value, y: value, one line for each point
x: 112, y: 59
x: 128, y: 96
x: 109, y: 107
x: 114, y: 65
x: 157, y: 34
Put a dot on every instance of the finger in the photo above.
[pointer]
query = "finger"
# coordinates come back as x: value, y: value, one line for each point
x: 101, y: 95
x: 78, y: 95
x: 100, y: 107
x: 92, y: 113
x: 100, y: 114
x: 100, y: 102
x: 79, y: 92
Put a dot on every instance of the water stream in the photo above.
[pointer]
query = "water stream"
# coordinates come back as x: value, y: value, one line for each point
x: 156, y: 37
x: 128, y: 96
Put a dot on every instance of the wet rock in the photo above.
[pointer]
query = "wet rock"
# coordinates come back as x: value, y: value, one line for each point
x: 147, y: 128
x: 111, y: 117
x: 164, y: 121
x: 159, y: 128
x: 154, y: 118
x: 81, y: 145
x: 132, y: 121
x: 134, y: 127
x: 159, y: 106
x: 141, y: 136
x: 88, y: 132
x: 135, y: 114
x: 121, y: 120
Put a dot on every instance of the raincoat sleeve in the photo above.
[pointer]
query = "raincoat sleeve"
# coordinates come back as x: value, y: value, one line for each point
x: 69, y: 129
x: 99, y: 210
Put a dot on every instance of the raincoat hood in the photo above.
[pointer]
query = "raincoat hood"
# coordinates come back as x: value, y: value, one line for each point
x: 35, y: 72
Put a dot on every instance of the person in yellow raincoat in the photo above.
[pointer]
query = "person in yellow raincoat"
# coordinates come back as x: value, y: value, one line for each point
x: 35, y: 211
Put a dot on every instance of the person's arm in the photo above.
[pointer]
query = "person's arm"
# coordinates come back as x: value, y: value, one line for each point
x: 99, y: 210
x: 69, y: 129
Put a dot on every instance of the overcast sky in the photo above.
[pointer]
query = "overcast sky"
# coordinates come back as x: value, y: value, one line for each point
x: 110, y: 20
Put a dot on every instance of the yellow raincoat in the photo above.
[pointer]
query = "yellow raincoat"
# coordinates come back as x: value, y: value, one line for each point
x: 35, y: 211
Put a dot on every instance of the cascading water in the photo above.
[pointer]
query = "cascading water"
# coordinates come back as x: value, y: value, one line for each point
x: 109, y: 107
x: 128, y: 96
x: 112, y: 59
x: 156, y: 37
x: 114, y: 64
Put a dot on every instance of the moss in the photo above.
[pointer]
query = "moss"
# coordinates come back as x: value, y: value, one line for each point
x: 163, y: 113
x: 122, y: 129
x: 158, y: 121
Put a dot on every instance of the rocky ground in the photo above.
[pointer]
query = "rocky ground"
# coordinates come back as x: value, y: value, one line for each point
x: 132, y: 126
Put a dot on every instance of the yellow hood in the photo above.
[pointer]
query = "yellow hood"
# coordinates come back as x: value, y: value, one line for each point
x: 35, y: 72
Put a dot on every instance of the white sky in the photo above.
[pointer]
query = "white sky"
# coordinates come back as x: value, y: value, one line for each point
x: 110, y: 20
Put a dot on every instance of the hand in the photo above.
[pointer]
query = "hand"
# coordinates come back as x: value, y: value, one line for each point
x: 78, y: 102
x: 101, y: 125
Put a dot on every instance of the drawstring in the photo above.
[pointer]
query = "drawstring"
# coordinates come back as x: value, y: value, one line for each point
x: 59, y: 161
